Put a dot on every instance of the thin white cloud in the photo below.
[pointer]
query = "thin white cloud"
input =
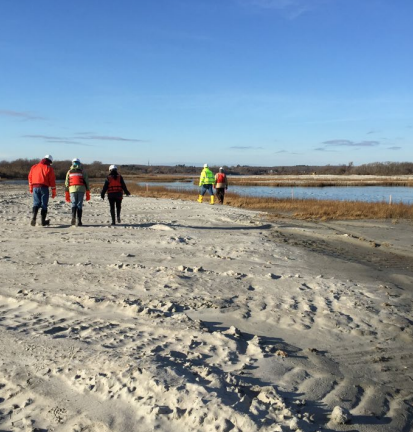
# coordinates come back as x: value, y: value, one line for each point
x: 291, y: 8
x: 58, y: 140
x: 20, y: 115
x: 93, y: 137
x: 68, y: 142
x: 285, y: 151
x: 348, y: 143
x: 246, y: 148
x: 325, y: 149
x: 46, y: 137
x: 113, y: 138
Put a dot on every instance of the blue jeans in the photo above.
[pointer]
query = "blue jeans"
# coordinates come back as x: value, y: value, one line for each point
x: 41, y: 197
x: 76, y: 198
x: 204, y: 188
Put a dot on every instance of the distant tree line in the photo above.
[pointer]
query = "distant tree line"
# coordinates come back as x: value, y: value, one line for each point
x: 19, y: 169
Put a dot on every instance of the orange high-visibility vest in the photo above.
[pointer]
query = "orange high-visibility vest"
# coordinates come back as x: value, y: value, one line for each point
x: 76, y: 178
x: 114, y: 184
x: 221, y: 178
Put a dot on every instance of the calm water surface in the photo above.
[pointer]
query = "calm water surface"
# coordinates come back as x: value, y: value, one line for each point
x: 345, y: 193
x: 349, y: 193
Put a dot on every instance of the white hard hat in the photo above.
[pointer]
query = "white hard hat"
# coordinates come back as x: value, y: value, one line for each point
x: 50, y: 157
x: 76, y: 160
x: 113, y: 167
x: 205, y: 165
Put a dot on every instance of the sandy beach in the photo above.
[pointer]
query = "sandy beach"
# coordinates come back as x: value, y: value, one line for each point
x: 192, y: 317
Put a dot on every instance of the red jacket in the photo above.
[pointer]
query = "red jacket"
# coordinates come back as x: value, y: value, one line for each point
x: 42, y: 174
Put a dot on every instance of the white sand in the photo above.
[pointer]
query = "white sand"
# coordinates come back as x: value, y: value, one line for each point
x: 191, y: 317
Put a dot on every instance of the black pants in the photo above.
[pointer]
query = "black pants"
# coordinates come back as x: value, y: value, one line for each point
x: 220, y: 195
x: 115, y: 202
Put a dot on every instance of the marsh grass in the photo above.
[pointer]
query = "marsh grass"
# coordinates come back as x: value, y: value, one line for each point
x: 284, y: 181
x: 291, y: 182
x: 162, y: 178
x: 320, y: 181
x: 308, y: 209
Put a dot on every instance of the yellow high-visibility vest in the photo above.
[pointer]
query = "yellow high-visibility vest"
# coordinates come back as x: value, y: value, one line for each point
x: 207, y: 177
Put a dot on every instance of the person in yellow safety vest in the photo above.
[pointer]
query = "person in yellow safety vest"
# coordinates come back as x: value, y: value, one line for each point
x: 206, y: 182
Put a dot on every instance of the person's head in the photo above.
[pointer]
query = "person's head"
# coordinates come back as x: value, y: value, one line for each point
x: 205, y: 165
x: 76, y: 162
x: 113, y: 168
x: 221, y: 169
x: 49, y: 158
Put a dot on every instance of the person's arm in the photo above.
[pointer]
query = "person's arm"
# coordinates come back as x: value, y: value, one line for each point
x: 202, y: 178
x: 52, y: 182
x: 105, y: 188
x: 86, y: 180
x: 67, y: 182
x: 123, y: 184
x: 30, y: 181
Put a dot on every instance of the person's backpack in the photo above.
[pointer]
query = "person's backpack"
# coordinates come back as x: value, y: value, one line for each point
x: 221, y: 178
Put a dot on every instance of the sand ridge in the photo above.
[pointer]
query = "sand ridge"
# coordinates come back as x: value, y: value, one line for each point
x: 199, y: 318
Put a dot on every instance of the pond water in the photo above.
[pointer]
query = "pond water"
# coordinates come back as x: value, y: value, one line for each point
x: 345, y: 193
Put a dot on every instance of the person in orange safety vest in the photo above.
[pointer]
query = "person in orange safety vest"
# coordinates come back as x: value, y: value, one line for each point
x: 115, y: 187
x: 76, y: 185
x: 41, y: 178
x: 221, y: 185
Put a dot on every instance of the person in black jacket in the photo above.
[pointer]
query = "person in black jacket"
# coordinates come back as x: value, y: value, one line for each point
x: 115, y: 187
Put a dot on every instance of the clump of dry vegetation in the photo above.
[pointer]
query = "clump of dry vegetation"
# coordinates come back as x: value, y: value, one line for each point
x: 308, y: 209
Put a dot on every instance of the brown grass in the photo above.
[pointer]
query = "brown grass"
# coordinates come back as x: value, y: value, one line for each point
x: 161, y: 178
x: 309, y: 209
x: 307, y: 181
x: 282, y: 181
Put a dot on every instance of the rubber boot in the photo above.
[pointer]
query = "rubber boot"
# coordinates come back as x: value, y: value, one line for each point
x: 79, y: 217
x: 200, y: 197
x: 35, y: 211
x: 45, y: 221
x: 73, y: 221
x: 118, y: 218
x: 112, y: 213
x: 212, y: 200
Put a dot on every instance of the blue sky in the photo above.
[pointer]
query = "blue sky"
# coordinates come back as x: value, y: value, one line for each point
x: 249, y: 82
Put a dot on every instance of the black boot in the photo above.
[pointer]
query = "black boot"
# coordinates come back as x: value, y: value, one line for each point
x: 118, y: 217
x: 44, y: 221
x: 34, y: 211
x: 79, y: 217
x: 112, y: 213
x: 73, y: 221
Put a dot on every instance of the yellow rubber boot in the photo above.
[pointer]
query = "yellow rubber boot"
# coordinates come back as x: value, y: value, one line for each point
x: 212, y: 200
x: 199, y: 198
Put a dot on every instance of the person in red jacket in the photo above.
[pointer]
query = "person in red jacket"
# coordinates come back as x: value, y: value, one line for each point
x: 41, y: 178
x: 114, y: 186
